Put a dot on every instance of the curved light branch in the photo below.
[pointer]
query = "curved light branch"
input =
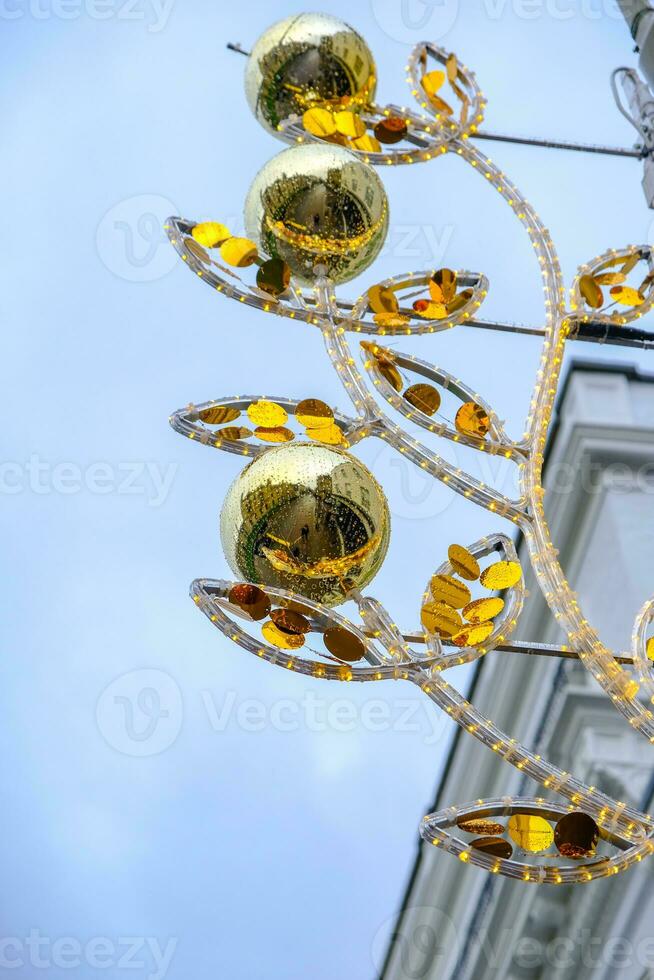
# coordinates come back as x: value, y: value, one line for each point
x: 435, y: 829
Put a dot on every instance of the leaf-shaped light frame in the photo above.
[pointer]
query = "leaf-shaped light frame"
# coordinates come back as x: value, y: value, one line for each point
x: 438, y: 829
x: 335, y: 319
x: 504, y: 624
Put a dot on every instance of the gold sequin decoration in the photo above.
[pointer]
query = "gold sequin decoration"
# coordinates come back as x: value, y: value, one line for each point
x: 424, y: 397
x: 438, y: 617
x: 290, y: 621
x: 280, y: 638
x: 472, y: 420
x: 266, y: 413
x: 343, y: 644
x: 251, y: 599
x: 233, y: 433
x: 239, y: 252
x: 319, y: 122
x: 481, y: 610
x: 463, y: 562
x: 627, y: 295
x: 210, y: 233
x: 472, y: 635
x: 480, y: 826
x: 218, y: 414
x: 501, y: 575
x: 493, y: 846
x: 530, y: 832
x: 445, y: 588
x: 275, y: 434
x: 314, y: 414
x: 576, y: 835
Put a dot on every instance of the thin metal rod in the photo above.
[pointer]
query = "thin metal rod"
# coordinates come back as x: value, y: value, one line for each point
x: 614, y: 151
x: 238, y: 49
x: 529, y: 649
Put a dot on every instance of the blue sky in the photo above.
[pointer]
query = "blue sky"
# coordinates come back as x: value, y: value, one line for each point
x: 255, y: 824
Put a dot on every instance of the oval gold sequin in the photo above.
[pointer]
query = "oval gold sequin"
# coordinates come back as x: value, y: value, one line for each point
x: 473, y: 634
x: 390, y: 320
x: 493, y: 846
x: 381, y: 299
x: 277, y: 433
x: 442, y: 286
x: 610, y: 278
x: 480, y: 826
x: 430, y: 310
x: 274, y: 276
x: 390, y: 373
x: 627, y: 295
x: 501, y: 575
x: 343, y: 644
x: 281, y: 639
x: 314, y: 414
x: 591, y: 292
x: 649, y: 649
x: 445, y: 588
x: 391, y: 129
x: 290, y: 621
x: 463, y: 562
x: 319, y: 122
x: 251, y: 599
x: 459, y: 301
x: 330, y: 435
x: 266, y: 413
x: 211, y: 233
x: 239, y: 252
x: 197, y: 251
x: 576, y: 835
x: 349, y: 124
x: 481, y: 610
x: 530, y: 832
x: 472, y: 420
x: 432, y: 82
x: 438, y: 617
x: 233, y: 433
x: 366, y: 143
x: 218, y: 414
x: 424, y: 397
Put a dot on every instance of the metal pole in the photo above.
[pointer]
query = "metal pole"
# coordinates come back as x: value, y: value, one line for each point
x: 615, y: 151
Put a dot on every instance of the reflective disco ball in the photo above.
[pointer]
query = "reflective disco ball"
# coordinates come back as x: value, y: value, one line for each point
x: 304, y: 60
x: 318, y: 205
x: 308, y: 518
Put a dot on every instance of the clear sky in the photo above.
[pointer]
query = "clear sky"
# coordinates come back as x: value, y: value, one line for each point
x: 166, y: 798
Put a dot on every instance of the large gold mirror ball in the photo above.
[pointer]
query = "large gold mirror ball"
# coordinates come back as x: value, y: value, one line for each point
x: 304, y: 60
x: 308, y: 518
x: 318, y: 206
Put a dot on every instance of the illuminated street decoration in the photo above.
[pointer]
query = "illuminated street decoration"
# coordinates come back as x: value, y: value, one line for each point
x: 305, y: 526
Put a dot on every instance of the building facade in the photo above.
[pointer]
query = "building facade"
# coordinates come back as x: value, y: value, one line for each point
x: 456, y: 921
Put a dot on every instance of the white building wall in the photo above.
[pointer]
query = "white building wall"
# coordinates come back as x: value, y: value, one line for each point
x: 457, y: 921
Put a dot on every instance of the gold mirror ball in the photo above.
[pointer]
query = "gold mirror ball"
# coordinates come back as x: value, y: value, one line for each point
x: 308, y: 518
x: 307, y: 60
x: 318, y: 205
